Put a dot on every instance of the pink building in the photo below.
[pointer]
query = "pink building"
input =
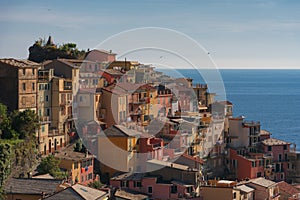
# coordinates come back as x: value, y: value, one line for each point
x: 278, y: 152
x: 245, y: 167
x: 154, y: 186
x: 101, y: 56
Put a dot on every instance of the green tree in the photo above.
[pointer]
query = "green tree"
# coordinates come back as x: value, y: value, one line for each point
x: 95, y: 184
x: 6, y: 132
x: 5, y: 163
x: 25, y: 123
x: 79, y: 147
x: 50, y: 165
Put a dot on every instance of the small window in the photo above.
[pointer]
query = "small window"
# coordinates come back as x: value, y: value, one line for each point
x: 24, y: 86
x: 43, y: 128
x: 33, y: 71
x: 285, y: 147
x: 47, y: 98
x: 150, y: 189
x: 24, y: 71
x: 234, y: 195
x: 269, y: 148
x: 33, y: 86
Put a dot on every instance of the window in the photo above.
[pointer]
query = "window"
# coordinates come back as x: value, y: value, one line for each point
x: 33, y: 86
x: 150, y: 189
x: 258, y: 174
x: 269, y: 148
x: 174, y: 189
x: 124, y: 183
x: 137, y: 184
x: 234, y: 195
x: 90, y: 176
x: 24, y: 71
x: 24, y: 86
x: 43, y: 128
x: 47, y: 98
x: 48, y: 112
x: 279, y: 157
x: 33, y: 72
x: 285, y: 147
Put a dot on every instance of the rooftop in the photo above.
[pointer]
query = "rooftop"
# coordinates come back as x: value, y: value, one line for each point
x: 78, y: 191
x: 31, y: 186
x: 264, y: 132
x: 121, y: 131
x: 130, y: 195
x: 287, y: 188
x: 19, y: 62
x: 273, y: 142
x: 169, y: 164
x: 245, y: 188
x: 69, y: 154
x: 262, y: 182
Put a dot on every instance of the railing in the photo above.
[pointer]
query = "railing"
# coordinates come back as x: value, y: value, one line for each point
x: 53, y: 133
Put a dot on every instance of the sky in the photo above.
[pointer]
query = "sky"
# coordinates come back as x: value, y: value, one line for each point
x: 237, y: 33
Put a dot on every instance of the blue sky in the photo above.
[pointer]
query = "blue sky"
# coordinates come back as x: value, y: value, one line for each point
x: 237, y: 33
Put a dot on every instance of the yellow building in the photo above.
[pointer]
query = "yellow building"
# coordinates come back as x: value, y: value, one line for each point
x: 220, y: 189
x: 79, y: 166
x: 116, y: 148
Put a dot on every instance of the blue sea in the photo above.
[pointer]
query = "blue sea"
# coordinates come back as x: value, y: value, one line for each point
x: 269, y: 96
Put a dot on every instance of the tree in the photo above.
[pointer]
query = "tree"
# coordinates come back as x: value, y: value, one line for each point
x: 95, y: 184
x: 6, y: 132
x: 25, y: 123
x: 79, y: 147
x: 50, y: 165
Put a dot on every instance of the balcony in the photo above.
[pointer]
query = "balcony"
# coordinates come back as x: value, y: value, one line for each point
x: 45, y: 119
x: 53, y: 133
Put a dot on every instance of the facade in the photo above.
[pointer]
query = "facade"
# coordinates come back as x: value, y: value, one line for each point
x: 79, y: 166
x: 18, y: 84
x: 264, y: 189
x: 116, y: 147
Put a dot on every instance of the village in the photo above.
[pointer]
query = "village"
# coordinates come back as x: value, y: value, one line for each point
x: 146, y: 135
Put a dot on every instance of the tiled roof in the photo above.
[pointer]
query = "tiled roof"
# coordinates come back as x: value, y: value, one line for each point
x: 19, y: 62
x: 121, y: 131
x: 132, y: 195
x: 69, y: 154
x: 264, y: 132
x: 103, y: 51
x: 273, y: 141
x: 168, y: 164
x: 287, y: 188
x: 78, y: 192
x: 129, y: 176
x: 245, y: 188
x: 112, y: 72
x: 262, y: 182
x: 31, y: 186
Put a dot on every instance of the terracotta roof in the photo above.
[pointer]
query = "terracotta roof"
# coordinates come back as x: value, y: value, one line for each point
x: 273, y: 142
x: 262, y: 182
x: 19, y: 62
x: 287, y: 188
x: 33, y: 186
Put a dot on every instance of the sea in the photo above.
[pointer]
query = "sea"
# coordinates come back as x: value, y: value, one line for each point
x: 271, y: 96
